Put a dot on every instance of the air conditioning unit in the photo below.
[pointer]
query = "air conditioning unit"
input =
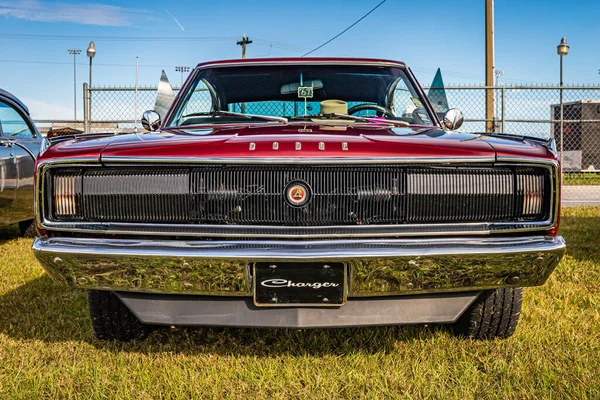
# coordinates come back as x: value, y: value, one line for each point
x: 581, y: 134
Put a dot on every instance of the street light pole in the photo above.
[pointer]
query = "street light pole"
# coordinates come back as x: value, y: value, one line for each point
x: 498, y: 73
x: 244, y: 42
x: 182, y: 69
x: 562, y: 50
x: 91, y: 53
x: 75, y: 53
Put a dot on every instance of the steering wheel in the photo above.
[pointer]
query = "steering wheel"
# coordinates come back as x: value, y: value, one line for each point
x: 379, y: 109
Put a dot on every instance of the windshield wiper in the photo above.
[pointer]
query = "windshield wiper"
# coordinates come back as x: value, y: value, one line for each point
x: 353, y: 118
x: 234, y: 114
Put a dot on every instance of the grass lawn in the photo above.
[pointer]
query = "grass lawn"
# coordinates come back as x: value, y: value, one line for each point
x: 47, y: 349
x: 581, y: 178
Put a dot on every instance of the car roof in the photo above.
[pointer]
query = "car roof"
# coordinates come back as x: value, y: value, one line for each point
x: 11, y: 97
x: 302, y: 60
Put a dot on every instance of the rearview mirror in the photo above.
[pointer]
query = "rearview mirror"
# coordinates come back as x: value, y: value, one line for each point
x: 290, y: 88
x: 151, y: 120
x: 453, y: 119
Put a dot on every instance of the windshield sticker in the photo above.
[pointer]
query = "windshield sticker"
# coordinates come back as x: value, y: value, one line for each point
x: 305, y: 92
x: 416, y: 102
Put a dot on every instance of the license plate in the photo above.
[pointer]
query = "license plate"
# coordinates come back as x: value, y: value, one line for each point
x: 299, y: 284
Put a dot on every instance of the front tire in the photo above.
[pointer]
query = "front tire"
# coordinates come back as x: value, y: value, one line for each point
x: 111, y: 320
x: 494, y: 314
x: 27, y: 229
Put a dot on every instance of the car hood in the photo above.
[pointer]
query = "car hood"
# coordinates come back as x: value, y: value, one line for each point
x: 300, y: 140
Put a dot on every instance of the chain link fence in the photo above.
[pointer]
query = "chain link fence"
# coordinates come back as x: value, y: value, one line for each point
x: 518, y: 110
x: 535, y: 111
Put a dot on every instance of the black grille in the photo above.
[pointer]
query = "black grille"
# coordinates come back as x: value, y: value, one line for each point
x: 438, y: 195
x: 137, y: 196
x: 338, y: 195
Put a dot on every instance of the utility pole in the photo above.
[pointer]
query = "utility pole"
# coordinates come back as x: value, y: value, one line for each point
x: 75, y: 53
x: 182, y: 69
x: 245, y: 41
x: 489, y: 64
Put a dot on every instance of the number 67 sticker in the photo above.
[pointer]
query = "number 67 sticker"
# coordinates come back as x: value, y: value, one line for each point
x: 305, y: 92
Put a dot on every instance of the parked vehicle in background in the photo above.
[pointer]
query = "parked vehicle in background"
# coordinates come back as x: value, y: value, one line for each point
x: 301, y: 193
x: 19, y: 145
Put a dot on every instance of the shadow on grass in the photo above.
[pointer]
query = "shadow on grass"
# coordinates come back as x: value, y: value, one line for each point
x: 41, y: 310
x: 9, y: 232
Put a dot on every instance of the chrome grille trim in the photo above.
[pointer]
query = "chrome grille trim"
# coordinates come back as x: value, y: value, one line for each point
x: 126, y: 160
x: 175, y: 230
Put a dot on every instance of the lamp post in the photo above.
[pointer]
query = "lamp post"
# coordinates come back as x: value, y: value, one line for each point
x: 498, y: 73
x: 182, y: 69
x: 91, y: 52
x: 562, y: 50
x: 75, y: 53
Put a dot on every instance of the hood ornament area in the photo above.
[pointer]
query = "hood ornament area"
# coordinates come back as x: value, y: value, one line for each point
x: 297, y: 193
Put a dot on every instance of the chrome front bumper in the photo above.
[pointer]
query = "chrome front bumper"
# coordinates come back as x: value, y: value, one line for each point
x: 376, y: 267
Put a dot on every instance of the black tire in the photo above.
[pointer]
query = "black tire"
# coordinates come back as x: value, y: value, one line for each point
x: 27, y: 229
x: 494, y: 314
x: 111, y: 320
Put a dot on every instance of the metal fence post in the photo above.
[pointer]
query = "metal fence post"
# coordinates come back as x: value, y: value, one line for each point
x: 503, y: 108
x: 562, y: 134
x: 86, y: 122
x: 90, y: 119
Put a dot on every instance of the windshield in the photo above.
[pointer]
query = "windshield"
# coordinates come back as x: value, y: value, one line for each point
x: 248, y: 94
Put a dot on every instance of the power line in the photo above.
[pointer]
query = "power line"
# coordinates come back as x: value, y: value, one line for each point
x: 27, y: 36
x: 83, y: 64
x: 267, y: 54
x: 291, y: 47
x: 263, y: 42
x: 345, y: 30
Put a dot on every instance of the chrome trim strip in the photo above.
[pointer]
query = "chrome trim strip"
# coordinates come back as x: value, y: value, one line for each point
x: 286, y: 160
x: 527, y: 160
x: 377, y: 267
x: 261, y: 231
x: 334, y: 61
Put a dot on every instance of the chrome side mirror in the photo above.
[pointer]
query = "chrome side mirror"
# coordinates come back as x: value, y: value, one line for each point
x: 453, y: 119
x: 151, y: 120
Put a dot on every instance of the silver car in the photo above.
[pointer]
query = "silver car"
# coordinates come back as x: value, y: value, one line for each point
x: 19, y: 145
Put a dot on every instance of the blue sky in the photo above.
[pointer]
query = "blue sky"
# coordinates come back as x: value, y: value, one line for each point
x: 425, y: 34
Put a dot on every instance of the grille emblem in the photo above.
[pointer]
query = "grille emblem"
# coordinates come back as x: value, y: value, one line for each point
x: 297, y: 193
